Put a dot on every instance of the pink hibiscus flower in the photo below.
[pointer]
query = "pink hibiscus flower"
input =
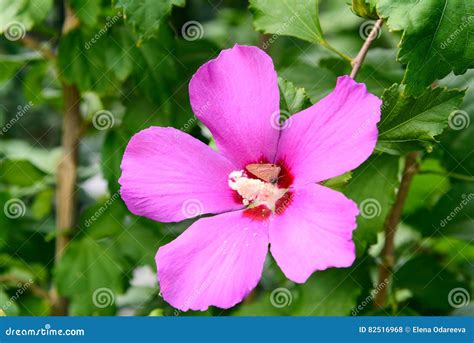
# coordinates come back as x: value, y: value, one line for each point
x: 262, y: 184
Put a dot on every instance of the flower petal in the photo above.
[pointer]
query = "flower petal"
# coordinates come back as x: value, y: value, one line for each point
x: 333, y: 136
x: 167, y: 175
x: 236, y: 96
x: 215, y: 262
x: 314, y: 232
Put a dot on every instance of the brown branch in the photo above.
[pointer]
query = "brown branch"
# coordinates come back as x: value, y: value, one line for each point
x: 70, y: 19
x: 36, y: 45
x: 67, y: 172
x: 35, y: 289
x: 391, y: 223
x: 357, y: 61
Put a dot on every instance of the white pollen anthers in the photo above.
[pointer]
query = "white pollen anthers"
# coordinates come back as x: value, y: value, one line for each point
x: 255, y: 192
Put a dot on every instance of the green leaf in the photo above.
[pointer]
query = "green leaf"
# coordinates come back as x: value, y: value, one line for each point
x: 426, y: 189
x: 281, y: 301
x: 380, y: 70
x: 154, y: 73
x: 9, y: 306
x: 302, y: 75
x: 84, y: 63
x: 96, y: 63
x: 437, y: 38
x: 374, y: 201
x: 87, y: 271
x: 87, y: 11
x: 21, y: 173
x: 450, y: 247
x: 44, y: 160
x: 157, y: 312
x: 365, y: 8
x: 34, y: 306
x: 331, y: 292
x: 42, y: 204
x: 128, y: 236
x: 10, y: 64
x: 24, y: 14
x: 451, y: 216
x: 337, y: 183
x: 457, y: 139
x: 229, y: 25
x: 104, y: 218
x: 431, y: 286
x: 410, y: 124
x: 292, y: 99
x: 40, y: 85
x: 297, y: 18
x: 4, y: 223
x: 112, y: 152
x: 138, y: 243
x: 147, y: 16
